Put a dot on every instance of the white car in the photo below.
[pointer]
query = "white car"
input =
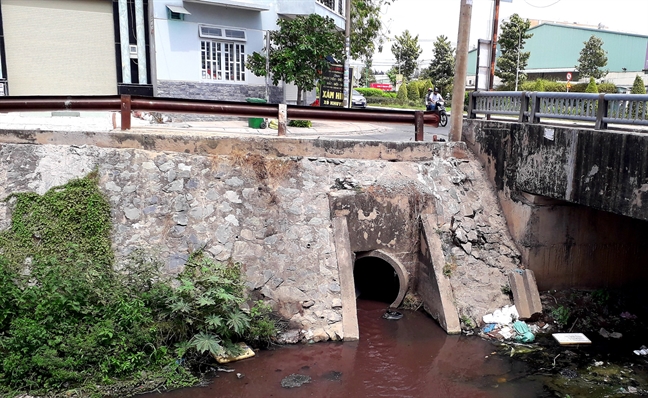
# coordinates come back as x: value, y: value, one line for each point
x: 358, y: 100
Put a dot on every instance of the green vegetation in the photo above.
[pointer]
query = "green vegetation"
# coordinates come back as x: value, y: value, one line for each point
x: 402, y: 93
x: 592, y: 59
x: 513, y: 59
x: 298, y: 50
x: 300, y: 123
x: 441, y: 69
x: 407, y: 50
x: 367, y: 32
x: 70, y: 321
x: 558, y: 87
x: 561, y: 315
x: 591, y: 87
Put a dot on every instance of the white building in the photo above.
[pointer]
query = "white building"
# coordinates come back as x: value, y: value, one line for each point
x: 169, y: 48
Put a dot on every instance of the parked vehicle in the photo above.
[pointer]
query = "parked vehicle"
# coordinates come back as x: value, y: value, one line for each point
x: 358, y: 100
x: 440, y: 107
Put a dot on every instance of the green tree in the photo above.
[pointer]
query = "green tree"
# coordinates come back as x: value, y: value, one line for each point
x: 367, y: 73
x: 593, y: 59
x: 402, y: 93
x: 441, y: 69
x: 592, y: 88
x: 407, y: 51
x: 367, y: 34
x: 639, y: 88
x: 513, y: 61
x: 298, y: 50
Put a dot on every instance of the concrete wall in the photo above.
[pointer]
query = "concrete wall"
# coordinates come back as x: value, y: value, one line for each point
x: 559, y: 188
x: 263, y: 203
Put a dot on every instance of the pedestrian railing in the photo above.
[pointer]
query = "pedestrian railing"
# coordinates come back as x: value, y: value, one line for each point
x: 126, y: 104
x: 601, y: 109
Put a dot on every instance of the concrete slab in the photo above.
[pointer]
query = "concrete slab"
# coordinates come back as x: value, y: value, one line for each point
x: 434, y: 286
x: 347, y: 283
x: 525, y: 293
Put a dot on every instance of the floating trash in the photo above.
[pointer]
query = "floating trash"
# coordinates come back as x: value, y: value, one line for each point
x: 392, y: 315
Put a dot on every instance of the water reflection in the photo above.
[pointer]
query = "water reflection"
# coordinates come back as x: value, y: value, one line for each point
x: 411, y: 357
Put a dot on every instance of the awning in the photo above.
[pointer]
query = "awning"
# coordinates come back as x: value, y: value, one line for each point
x: 178, y: 10
x: 240, y: 4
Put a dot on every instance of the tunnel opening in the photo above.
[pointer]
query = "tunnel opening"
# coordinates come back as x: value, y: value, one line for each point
x: 376, y: 279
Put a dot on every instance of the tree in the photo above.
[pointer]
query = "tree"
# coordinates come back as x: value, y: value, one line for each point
x: 367, y: 33
x: 441, y: 69
x: 593, y: 59
x: 592, y: 88
x: 298, y: 51
x: 367, y: 73
x: 639, y: 88
x: 513, y: 61
x: 407, y: 51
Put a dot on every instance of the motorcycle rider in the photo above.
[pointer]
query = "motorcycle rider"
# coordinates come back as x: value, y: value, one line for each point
x: 433, y: 98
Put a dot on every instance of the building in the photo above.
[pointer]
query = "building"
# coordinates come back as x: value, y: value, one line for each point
x: 555, y: 49
x: 168, y: 48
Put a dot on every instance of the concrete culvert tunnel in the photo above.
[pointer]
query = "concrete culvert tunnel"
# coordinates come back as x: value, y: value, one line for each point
x: 377, y: 279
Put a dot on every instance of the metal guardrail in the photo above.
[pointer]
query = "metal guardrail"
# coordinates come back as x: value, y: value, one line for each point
x: 602, y: 109
x: 125, y: 104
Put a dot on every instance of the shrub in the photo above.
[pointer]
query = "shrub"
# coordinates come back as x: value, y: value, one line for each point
x: 539, y: 85
x: 413, y: 91
x: 607, y: 88
x: 69, y: 320
x: 591, y: 87
x: 423, y: 87
x: 300, y: 123
x: 370, y: 92
x: 402, y: 93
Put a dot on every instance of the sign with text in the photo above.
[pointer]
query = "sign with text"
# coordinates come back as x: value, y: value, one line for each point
x: 381, y: 86
x: 332, y: 91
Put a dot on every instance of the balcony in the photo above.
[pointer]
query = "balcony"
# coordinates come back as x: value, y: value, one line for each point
x: 326, y: 8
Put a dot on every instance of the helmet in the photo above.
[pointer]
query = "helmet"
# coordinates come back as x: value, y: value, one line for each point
x: 436, y: 89
x: 429, y: 88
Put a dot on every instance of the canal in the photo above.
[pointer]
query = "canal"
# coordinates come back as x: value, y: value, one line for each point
x: 410, y: 357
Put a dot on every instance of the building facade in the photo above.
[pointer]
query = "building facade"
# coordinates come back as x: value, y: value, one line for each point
x: 168, y: 48
x: 555, y: 49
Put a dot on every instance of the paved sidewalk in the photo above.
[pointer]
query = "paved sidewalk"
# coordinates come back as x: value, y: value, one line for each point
x: 110, y: 121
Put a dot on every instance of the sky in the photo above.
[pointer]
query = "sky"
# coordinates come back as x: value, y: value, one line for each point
x: 431, y: 18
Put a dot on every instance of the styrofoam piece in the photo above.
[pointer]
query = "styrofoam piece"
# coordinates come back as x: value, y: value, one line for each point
x: 571, y: 338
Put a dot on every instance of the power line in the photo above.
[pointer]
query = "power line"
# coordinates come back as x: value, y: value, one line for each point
x: 552, y: 4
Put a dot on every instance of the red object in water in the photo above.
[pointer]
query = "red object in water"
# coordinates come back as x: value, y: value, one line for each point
x: 315, y: 103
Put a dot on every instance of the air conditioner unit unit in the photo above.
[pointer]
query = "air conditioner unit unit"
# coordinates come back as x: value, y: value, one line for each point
x: 132, y: 50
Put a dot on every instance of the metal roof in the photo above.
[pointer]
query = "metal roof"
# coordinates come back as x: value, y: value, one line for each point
x: 557, y: 47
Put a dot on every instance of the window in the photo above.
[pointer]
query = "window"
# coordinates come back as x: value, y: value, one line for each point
x: 222, y: 61
x: 177, y: 13
x: 215, y: 32
x: 333, y: 5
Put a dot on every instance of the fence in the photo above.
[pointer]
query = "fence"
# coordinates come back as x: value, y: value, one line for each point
x: 125, y: 104
x: 602, y: 109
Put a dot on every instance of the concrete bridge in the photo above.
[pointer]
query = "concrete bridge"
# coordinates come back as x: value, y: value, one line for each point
x: 316, y: 222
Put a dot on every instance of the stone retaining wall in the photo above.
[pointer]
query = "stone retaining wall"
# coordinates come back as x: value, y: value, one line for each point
x: 273, y: 214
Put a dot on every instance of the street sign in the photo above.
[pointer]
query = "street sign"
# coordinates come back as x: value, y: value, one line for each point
x: 569, y: 76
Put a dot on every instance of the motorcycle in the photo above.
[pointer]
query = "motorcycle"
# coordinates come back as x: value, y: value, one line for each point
x: 443, y: 116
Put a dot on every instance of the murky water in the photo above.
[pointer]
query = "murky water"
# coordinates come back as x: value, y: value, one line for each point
x: 411, y: 357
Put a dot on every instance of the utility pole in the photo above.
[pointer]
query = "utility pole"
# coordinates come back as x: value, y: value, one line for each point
x: 347, y: 51
x: 517, y: 66
x: 494, y: 43
x: 459, y: 90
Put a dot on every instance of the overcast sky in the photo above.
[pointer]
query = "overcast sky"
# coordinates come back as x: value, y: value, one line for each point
x: 431, y: 18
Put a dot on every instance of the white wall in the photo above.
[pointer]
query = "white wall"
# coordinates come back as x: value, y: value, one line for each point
x: 177, y: 44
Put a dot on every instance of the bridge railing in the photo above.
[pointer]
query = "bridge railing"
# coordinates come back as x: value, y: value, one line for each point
x: 601, y: 109
x: 125, y: 104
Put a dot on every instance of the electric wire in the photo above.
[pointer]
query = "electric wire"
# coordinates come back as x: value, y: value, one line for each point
x: 552, y: 4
